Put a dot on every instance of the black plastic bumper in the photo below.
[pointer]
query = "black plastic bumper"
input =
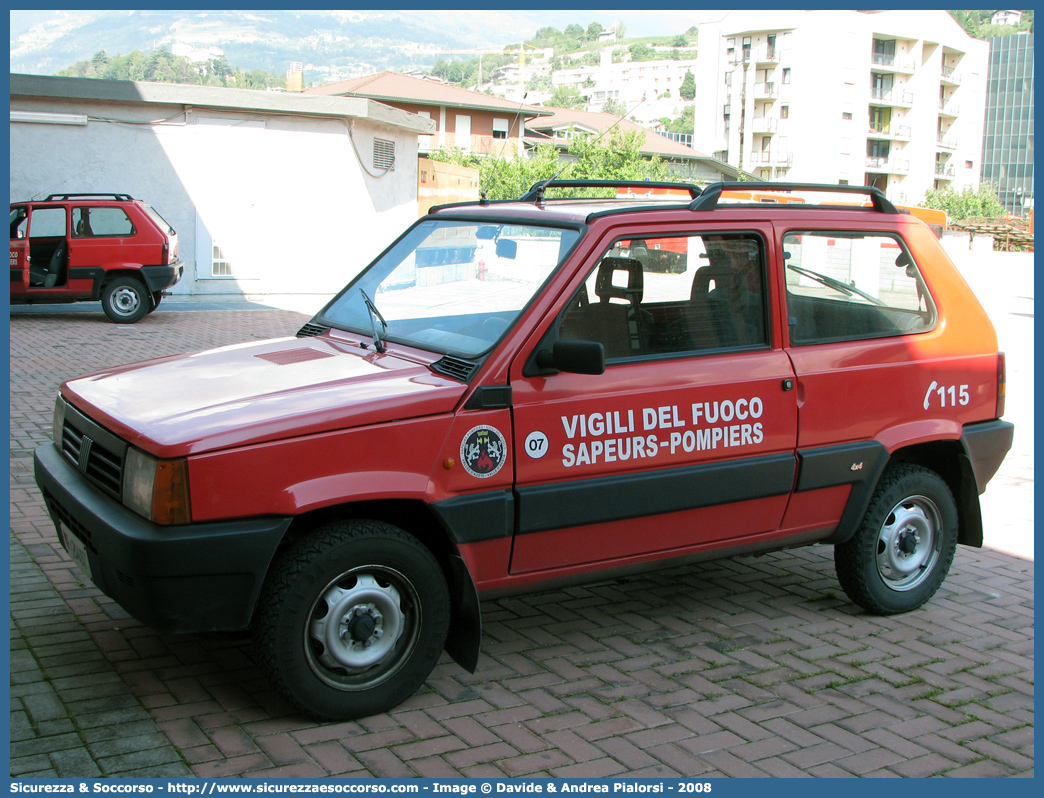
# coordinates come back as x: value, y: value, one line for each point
x: 177, y: 579
x: 159, y: 278
x: 986, y: 444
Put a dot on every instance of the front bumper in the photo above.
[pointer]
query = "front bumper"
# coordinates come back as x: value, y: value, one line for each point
x: 176, y: 579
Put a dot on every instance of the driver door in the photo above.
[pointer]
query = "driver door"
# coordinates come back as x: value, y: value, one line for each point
x: 685, y: 442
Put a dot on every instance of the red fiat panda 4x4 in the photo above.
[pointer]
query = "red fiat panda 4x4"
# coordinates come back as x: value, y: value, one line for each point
x: 503, y: 402
x: 76, y: 247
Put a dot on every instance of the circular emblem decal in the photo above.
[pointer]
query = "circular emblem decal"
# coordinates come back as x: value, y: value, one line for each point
x: 483, y: 451
x: 536, y: 444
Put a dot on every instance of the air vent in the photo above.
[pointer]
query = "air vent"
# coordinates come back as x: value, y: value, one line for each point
x: 287, y: 357
x: 454, y: 367
x: 383, y: 154
x: 311, y: 330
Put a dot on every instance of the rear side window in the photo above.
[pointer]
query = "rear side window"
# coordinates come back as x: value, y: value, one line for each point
x: 845, y: 286
x: 93, y: 222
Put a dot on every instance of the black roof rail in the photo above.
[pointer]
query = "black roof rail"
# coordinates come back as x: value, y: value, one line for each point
x: 536, y: 193
x: 708, y: 200
x: 117, y: 197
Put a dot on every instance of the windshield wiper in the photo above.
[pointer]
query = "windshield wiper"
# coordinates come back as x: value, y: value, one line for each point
x: 378, y: 344
x: 837, y: 285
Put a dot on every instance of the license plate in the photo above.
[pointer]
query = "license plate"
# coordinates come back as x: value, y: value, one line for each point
x: 76, y: 550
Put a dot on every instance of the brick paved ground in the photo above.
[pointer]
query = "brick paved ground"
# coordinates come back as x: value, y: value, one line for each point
x: 744, y: 667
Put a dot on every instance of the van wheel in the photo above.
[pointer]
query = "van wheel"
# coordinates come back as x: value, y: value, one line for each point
x: 351, y: 620
x: 904, y: 547
x: 125, y: 300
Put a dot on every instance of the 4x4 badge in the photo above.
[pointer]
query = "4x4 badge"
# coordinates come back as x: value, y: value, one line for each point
x: 483, y: 451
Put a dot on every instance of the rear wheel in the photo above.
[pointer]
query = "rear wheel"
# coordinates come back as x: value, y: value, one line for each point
x: 352, y: 619
x: 904, y: 547
x: 125, y: 300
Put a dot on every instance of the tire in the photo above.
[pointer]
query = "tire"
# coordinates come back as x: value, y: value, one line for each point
x: 125, y: 300
x: 904, y: 546
x: 351, y: 620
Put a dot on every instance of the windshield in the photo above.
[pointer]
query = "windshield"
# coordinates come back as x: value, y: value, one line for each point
x: 452, y: 287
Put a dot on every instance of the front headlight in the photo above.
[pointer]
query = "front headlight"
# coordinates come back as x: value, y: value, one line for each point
x: 156, y: 489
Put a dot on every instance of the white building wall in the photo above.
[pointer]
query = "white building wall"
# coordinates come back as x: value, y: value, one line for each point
x: 287, y: 198
x: 823, y: 135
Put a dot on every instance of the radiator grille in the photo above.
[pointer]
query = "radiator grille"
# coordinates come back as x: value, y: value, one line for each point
x: 102, y: 466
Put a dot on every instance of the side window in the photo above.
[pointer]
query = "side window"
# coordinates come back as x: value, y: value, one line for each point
x: 845, y: 286
x: 92, y: 222
x: 682, y: 294
x: 47, y: 223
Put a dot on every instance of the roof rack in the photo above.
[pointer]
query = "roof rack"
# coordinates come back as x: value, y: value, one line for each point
x: 536, y: 193
x: 117, y: 197
x: 708, y: 199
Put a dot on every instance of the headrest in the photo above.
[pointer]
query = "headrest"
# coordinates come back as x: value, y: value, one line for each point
x: 606, y: 290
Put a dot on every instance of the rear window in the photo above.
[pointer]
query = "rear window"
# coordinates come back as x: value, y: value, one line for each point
x: 159, y: 220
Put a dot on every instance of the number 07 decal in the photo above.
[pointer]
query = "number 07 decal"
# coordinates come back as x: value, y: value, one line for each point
x: 949, y: 395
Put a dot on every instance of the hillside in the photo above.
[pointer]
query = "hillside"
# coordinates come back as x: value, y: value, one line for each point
x: 334, y: 43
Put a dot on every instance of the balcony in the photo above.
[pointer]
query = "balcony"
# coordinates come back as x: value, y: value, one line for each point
x: 890, y: 132
x: 887, y: 165
x: 949, y: 109
x: 764, y: 124
x: 895, y: 97
x: 951, y: 75
x: 945, y: 171
x: 771, y: 158
x: 767, y: 55
x: 947, y: 142
x: 882, y: 62
x: 765, y: 91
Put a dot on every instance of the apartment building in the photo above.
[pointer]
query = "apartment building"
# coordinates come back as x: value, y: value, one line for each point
x: 649, y: 90
x: 893, y: 99
x: 1007, y: 156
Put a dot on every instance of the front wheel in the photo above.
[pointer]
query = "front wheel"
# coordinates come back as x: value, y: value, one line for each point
x: 904, y: 547
x: 125, y: 300
x: 352, y: 620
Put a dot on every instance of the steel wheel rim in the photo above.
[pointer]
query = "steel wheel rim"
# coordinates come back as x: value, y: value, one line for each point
x: 125, y: 301
x: 362, y: 628
x: 909, y: 543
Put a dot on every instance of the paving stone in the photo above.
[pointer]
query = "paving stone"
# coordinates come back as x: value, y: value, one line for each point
x: 749, y: 667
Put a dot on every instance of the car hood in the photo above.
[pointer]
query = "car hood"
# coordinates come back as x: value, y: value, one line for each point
x: 263, y: 391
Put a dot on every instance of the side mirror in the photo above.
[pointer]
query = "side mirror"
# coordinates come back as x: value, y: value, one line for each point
x: 506, y: 248
x: 575, y: 357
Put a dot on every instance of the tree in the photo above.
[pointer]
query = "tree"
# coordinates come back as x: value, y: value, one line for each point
x: 688, y: 87
x: 593, y: 31
x: 970, y: 203
x: 680, y: 41
x: 641, y: 52
x: 614, y: 107
x: 684, y: 123
x: 574, y: 31
x: 614, y: 156
x: 568, y: 97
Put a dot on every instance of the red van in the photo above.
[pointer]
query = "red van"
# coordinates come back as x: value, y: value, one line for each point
x: 79, y: 247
